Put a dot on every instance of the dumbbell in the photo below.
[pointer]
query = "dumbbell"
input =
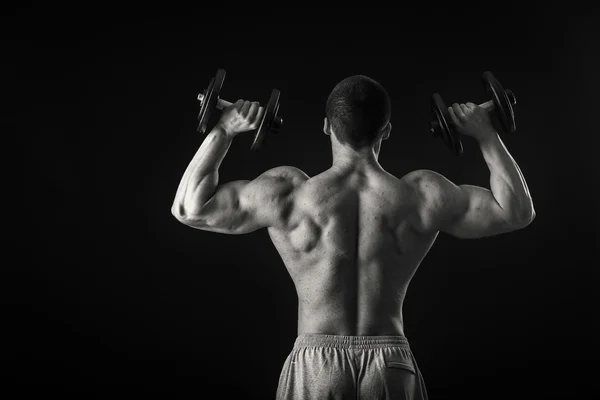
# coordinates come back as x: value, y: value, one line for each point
x: 501, y: 100
x: 210, y: 100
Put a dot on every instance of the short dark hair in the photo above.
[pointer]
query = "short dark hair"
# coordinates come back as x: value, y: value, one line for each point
x: 357, y: 109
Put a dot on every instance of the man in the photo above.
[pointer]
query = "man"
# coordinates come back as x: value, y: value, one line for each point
x: 353, y: 236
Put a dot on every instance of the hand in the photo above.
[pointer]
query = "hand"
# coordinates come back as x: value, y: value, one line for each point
x: 241, y: 116
x: 471, y: 120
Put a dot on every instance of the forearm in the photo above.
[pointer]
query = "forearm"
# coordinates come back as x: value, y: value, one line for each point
x: 507, y: 183
x: 201, y: 177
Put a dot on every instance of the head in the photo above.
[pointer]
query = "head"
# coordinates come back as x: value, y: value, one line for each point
x: 358, y: 113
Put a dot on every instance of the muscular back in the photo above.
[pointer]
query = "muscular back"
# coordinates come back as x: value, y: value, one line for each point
x: 351, y: 246
x: 352, y: 237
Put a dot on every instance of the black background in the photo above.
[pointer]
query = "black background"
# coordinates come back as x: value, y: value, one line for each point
x: 110, y: 297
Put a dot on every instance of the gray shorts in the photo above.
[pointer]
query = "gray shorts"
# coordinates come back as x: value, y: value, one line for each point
x: 323, y: 367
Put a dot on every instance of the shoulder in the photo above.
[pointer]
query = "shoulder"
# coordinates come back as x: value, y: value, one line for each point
x: 286, y: 173
x: 270, y: 196
x: 435, y: 198
x: 426, y: 183
x: 278, y: 182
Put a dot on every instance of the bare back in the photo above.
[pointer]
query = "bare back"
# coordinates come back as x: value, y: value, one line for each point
x: 351, y: 249
x: 353, y: 236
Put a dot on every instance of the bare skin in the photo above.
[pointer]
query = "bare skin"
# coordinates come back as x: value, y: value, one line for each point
x: 353, y: 236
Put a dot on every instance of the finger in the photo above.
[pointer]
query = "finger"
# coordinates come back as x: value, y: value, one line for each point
x: 453, y: 116
x: 260, y: 114
x: 472, y: 106
x: 237, y: 105
x: 254, y: 106
x: 458, y: 111
x: 245, y: 108
x: 259, y: 117
x: 465, y: 109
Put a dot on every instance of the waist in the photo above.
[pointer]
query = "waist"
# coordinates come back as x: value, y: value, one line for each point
x: 350, y: 342
x: 338, y: 322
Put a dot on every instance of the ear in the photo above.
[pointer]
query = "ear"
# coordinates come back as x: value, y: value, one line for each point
x: 386, y: 131
x: 326, y: 127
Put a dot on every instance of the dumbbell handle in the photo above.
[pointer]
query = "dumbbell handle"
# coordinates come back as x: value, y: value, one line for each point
x: 222, y: 104
x: 488, y: 105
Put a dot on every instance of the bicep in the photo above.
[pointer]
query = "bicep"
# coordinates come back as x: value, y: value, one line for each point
x: 245, y: 206
x: 464, y: 211
x: 225, y: 211
x: 479, y: 215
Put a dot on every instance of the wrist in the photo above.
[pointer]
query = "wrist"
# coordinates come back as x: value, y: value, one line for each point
x: 487, y: 136
x: 225, y: 130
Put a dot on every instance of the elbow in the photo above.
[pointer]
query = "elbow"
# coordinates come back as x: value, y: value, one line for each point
x: 178, y: 211
x: 524, y: 218
x: 188, y: 217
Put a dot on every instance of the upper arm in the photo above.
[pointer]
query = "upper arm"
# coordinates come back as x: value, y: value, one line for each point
x: 245, y: 206
x: 464, y: 211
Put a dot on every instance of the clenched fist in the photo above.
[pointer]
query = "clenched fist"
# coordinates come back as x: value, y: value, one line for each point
x: 241, y: 116
x: 471, y: 120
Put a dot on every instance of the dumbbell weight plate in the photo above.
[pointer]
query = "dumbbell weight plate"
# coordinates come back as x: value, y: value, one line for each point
x: 267, y: 123
x: 202, y: 117
x: 209, y: 103
x: 442, y: 125
x: 503, y: 101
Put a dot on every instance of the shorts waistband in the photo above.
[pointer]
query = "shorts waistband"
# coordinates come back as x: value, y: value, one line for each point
x: 349, y: 342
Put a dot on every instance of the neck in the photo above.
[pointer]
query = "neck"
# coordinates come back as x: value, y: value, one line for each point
x: 345, y: 156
